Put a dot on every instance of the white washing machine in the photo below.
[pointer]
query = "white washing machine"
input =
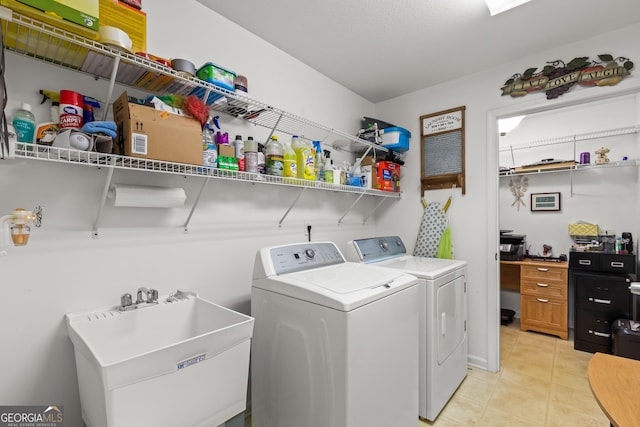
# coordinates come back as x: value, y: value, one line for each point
x: 334, y: 341
x: 443, y: 315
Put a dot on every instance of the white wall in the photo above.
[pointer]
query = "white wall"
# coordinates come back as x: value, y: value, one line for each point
x: 64, y: 270
x: 475, y: 215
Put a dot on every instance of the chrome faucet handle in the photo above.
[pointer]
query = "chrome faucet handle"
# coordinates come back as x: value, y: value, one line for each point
x: 125, y: 300
x: 141, y: 291
x: 152, y: 295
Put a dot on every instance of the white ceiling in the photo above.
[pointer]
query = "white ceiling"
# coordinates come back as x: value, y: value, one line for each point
x: 382, y: 49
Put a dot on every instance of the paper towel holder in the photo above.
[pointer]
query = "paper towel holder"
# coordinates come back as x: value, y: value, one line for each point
x: 139, y: 196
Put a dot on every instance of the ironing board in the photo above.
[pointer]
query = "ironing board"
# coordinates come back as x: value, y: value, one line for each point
x: 432, y: 226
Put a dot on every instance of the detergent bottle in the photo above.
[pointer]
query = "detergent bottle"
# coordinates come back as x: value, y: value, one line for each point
x: 290, y: 161
x: 274, y: 157
x: 305, y: 157
x: 251, y: 155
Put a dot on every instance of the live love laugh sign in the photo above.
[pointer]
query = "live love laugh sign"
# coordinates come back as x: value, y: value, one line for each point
x: 557, y: 77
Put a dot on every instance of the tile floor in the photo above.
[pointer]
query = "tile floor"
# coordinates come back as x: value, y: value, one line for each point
x: 542, y: 383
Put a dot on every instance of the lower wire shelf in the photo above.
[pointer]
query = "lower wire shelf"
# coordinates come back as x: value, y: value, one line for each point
x: 92, y: 158
x: 111, y: 162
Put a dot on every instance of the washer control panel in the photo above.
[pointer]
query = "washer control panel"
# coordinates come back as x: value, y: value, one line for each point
x: 304, y: 256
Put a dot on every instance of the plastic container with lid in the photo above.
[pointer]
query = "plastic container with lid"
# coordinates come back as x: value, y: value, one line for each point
x: 395, y: 138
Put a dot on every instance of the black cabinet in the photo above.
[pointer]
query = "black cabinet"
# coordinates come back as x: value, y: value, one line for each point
x: 601, y: 286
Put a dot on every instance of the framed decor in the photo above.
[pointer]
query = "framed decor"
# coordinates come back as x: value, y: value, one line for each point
x: 442, y: 150
x: 548, y: 202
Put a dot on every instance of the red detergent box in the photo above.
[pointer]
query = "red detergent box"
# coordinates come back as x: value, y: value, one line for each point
x: 388, y: 176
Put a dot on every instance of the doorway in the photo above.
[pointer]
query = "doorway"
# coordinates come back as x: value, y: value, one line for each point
x: 539, y: 108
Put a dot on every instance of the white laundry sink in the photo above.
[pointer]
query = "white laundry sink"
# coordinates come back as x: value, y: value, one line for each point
x: 184, y: 362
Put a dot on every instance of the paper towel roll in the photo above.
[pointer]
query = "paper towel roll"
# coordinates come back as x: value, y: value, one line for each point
x: 146, y: 196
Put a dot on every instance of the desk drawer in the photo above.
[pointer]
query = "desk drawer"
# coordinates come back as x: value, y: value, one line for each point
x: 543, y: 312
x: 545, y: 274
x: 544, y: 288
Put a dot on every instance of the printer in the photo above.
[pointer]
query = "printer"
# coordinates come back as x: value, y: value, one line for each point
x: 512, y: 246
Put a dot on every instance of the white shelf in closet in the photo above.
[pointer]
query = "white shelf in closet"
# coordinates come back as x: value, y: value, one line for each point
x: 35, y: 39
x: 575, y: 139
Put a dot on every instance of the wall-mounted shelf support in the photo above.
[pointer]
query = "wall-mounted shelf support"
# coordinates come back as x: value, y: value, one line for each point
x: 195, y: 204
x: 350, y: 207
x: 364, y: 221
x: 112, y: 83
x: 291, y: 206
x: 105, y: 192
x: 273, y: 129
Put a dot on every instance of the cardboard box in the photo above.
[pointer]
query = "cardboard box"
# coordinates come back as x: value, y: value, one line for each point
x: 81, y: 12
x: 369, y: 173
x: 388, y: 176
x: 226, y: 150
x: 129, y: 19
x: 583, y: 229
x: 147, y: 133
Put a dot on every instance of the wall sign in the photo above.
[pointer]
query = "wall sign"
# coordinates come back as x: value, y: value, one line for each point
x: 442, y: 150
x: 557, y: 77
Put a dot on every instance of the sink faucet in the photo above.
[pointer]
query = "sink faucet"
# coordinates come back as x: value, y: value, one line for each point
x: 150, y: 295
x: 144, y: 298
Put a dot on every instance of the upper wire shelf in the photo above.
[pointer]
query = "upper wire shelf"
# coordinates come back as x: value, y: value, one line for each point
x: 30, y: 37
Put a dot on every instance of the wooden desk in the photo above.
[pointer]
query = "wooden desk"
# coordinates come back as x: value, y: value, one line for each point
x: 544, y: 293
x: 615, y: 383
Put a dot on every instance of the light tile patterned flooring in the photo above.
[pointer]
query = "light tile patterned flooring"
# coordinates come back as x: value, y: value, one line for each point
x: 542, y: 383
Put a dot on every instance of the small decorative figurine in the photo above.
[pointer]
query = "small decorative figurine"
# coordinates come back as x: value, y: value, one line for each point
x: 602, y: 155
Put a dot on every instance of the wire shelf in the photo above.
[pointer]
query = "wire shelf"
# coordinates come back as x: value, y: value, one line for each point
x: 576, y: 167
x: 572, y: 138
x: 92, y: 158
x: 33, y: 38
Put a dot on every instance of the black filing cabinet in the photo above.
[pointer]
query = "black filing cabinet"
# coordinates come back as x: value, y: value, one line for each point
x: 601, y: 285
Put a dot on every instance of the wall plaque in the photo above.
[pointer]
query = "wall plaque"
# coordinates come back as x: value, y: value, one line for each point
x: 442, y: 150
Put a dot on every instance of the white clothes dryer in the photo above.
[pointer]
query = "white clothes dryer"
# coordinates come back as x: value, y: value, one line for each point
x: 334, y: 341
x: 443, y: 315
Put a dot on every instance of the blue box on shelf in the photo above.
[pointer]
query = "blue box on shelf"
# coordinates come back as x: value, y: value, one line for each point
x: 200, y: 91
x: 395, y: 138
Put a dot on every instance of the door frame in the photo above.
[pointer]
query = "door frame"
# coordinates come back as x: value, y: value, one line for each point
x: 584, y: 96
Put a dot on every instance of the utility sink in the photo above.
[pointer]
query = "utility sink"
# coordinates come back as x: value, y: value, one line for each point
x: 181, y: 362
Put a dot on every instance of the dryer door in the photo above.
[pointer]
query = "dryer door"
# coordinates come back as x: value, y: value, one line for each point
x: 451, y: 316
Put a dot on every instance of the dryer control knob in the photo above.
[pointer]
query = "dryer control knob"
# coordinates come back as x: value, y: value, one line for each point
x: 384, y: 245
x: 309, y: 253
